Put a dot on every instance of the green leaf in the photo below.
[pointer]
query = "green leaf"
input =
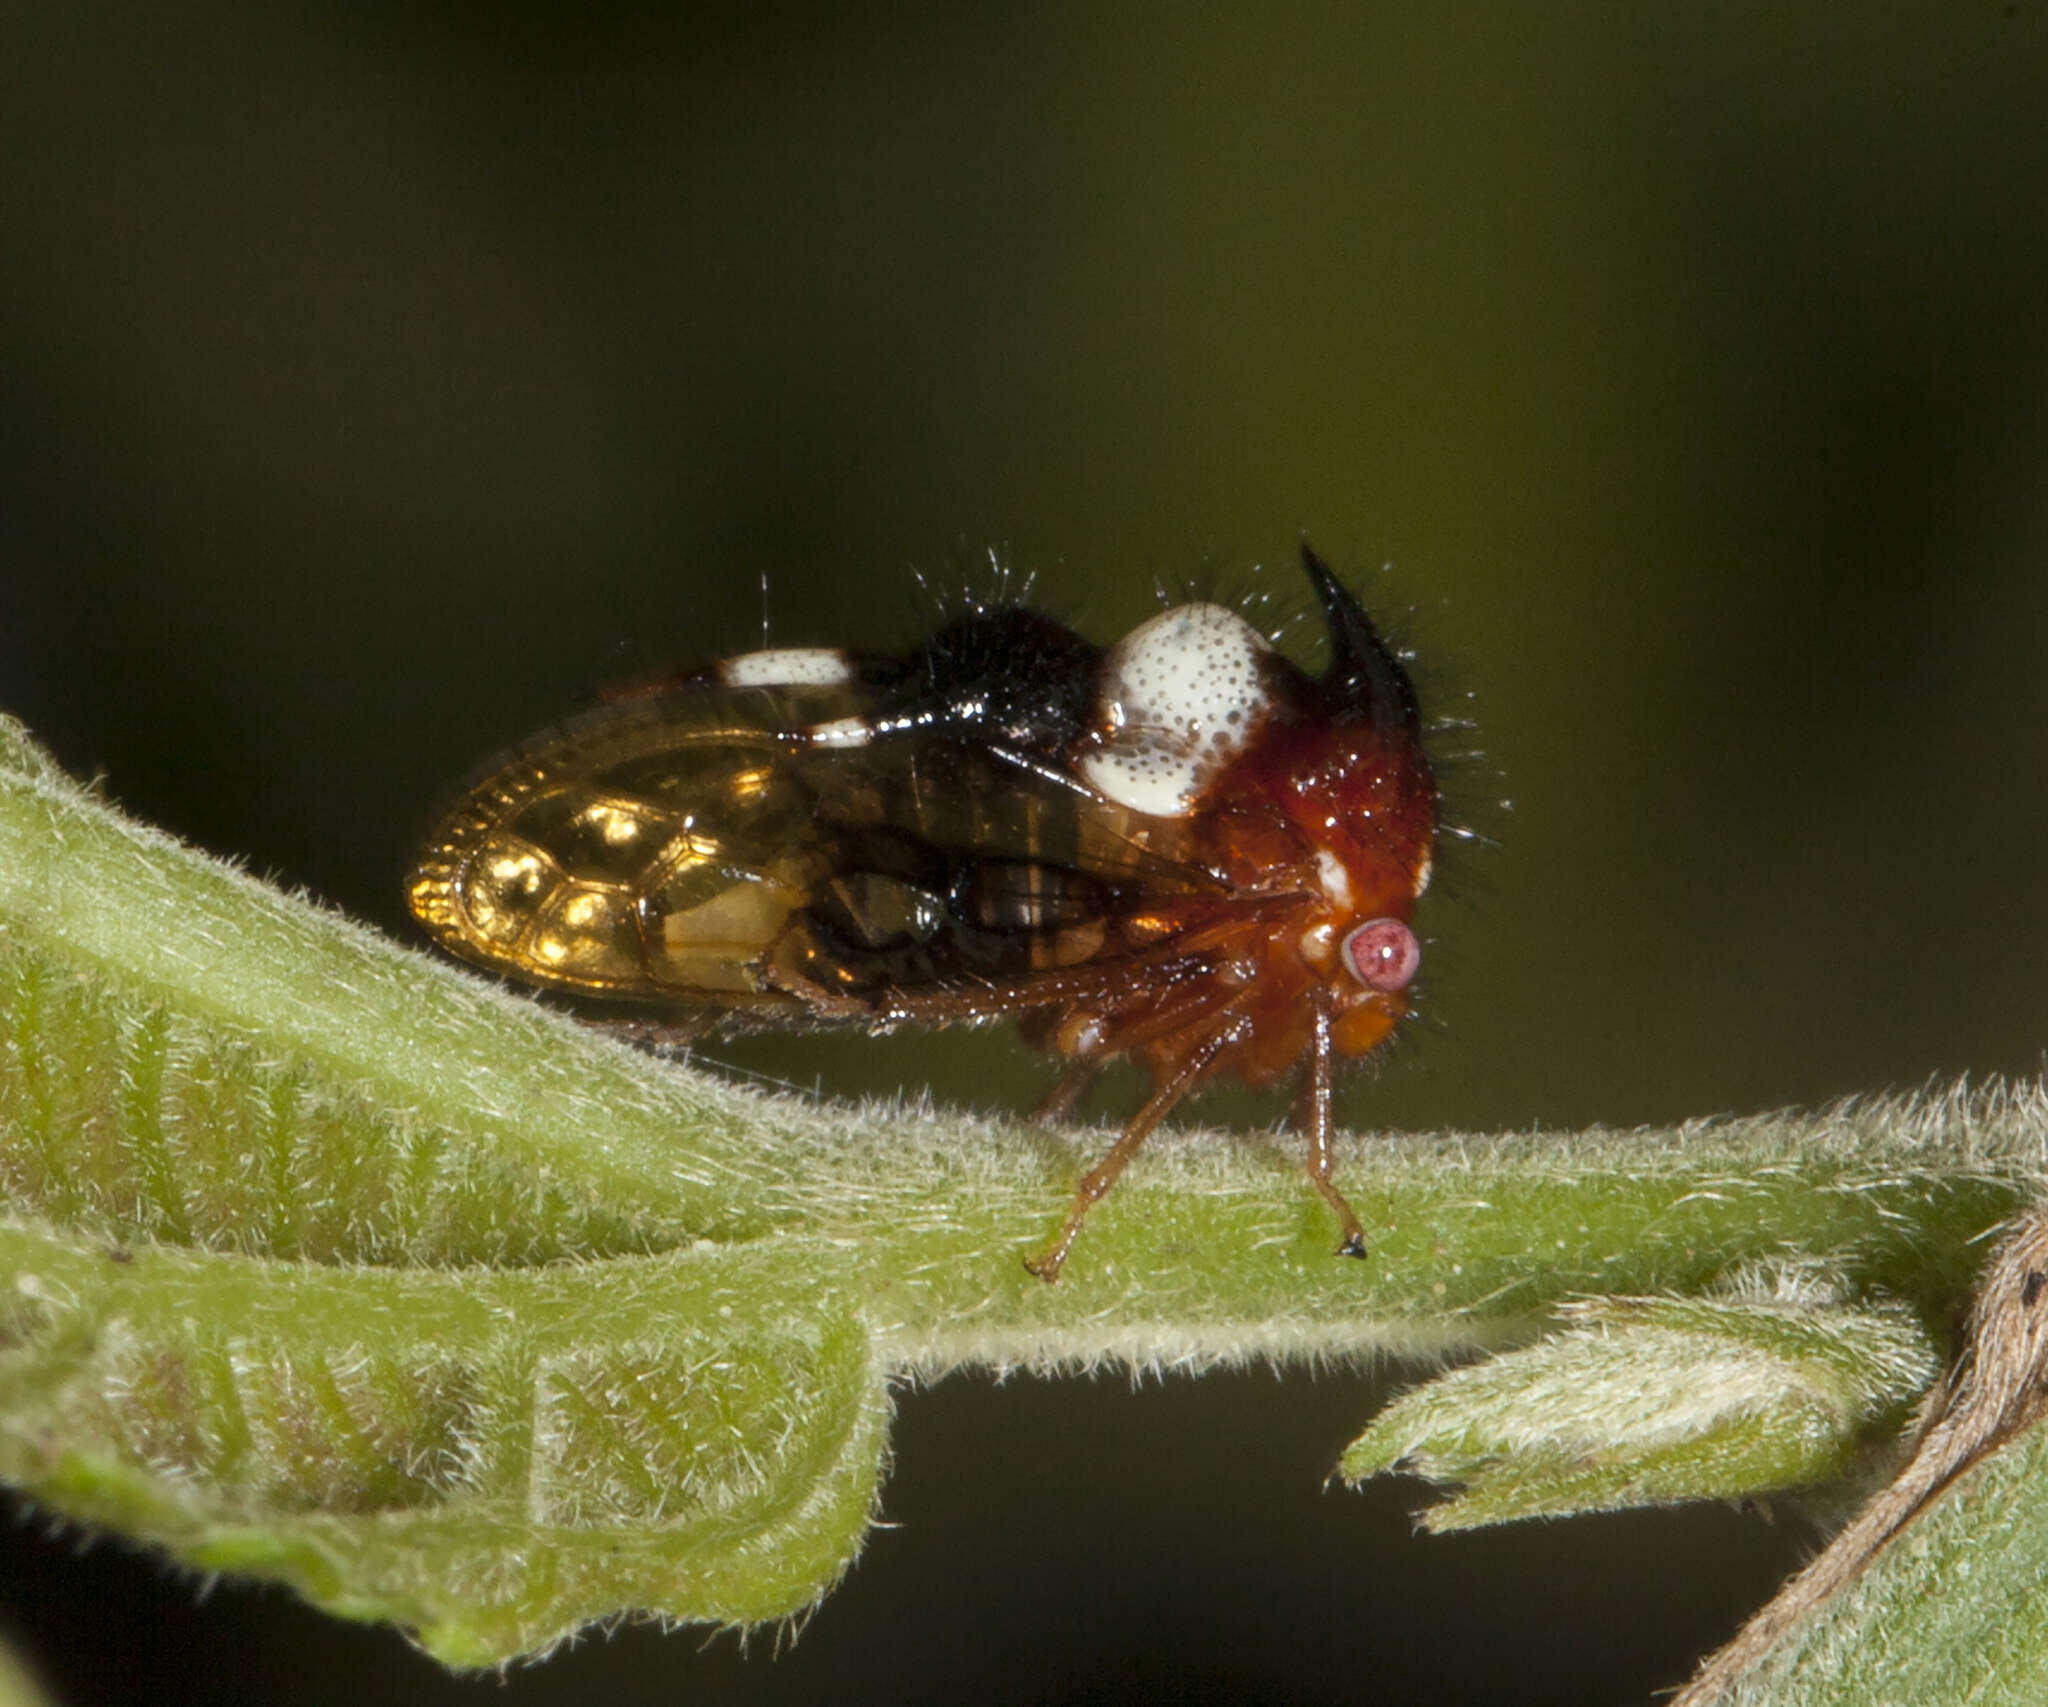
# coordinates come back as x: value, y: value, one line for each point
x: 1649, y: 1400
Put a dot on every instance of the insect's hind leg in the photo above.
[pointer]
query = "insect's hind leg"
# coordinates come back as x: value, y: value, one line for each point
x: 1313, y: 1113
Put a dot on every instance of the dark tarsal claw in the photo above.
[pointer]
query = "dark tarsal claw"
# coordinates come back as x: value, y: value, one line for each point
x: 1354, y: 1245
x: 1046, y: 1265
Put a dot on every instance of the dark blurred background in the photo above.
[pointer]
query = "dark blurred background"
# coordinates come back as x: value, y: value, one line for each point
x: 375, y: 382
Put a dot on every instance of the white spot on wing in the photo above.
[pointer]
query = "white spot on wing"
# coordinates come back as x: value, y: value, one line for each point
x: 841, y: 732
x: 1182, y: 695
x: 788, y: 667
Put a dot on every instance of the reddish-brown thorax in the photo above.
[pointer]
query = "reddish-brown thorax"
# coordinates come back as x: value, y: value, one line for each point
x: 1303, y: 789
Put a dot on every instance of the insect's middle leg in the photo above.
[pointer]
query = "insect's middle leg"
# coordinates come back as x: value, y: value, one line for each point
x: 1097, y: 1181
x: 1059, y: 1102
x: 1313, y: 1114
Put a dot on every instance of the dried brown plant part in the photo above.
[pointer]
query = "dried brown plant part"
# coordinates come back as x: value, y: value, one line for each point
x: 1996, y: 1391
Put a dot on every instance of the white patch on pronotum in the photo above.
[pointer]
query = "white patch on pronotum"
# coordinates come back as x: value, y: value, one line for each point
x: 1180, y: 696
x: 788, y: 667
x: 1336, y: 880
x: 841, y: 732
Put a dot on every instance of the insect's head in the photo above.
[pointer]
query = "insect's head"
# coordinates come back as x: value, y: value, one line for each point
x: 1286, y: 781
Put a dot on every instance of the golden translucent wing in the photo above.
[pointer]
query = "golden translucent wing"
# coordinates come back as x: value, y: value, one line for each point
x: 716, y: 846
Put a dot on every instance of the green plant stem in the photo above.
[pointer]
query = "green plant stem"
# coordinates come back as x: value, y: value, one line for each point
x: 334, y: 1263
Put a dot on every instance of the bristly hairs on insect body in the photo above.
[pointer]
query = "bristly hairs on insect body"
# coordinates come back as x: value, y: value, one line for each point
x: 973, y: 583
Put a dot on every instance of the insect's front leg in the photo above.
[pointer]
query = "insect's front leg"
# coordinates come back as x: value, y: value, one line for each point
x: 1313, y: 1115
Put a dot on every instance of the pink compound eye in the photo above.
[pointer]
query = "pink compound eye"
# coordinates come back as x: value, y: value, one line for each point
x: 1383, y: 954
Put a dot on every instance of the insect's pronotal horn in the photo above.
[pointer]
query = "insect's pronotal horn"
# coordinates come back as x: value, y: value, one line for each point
x: 1363, y: 670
